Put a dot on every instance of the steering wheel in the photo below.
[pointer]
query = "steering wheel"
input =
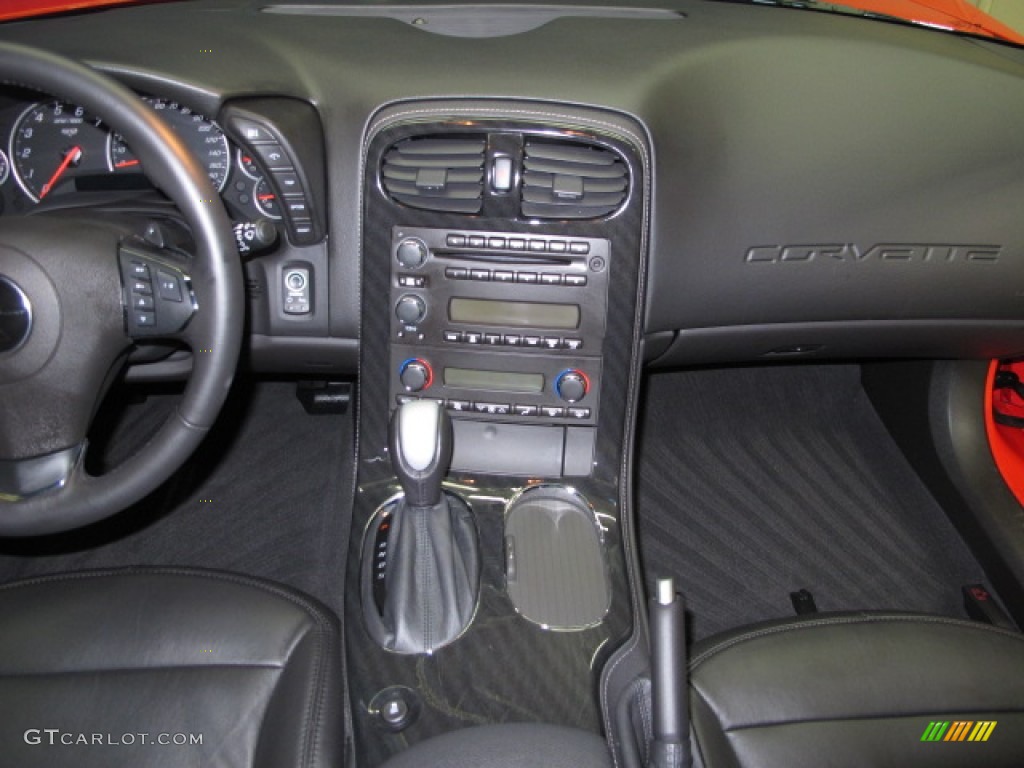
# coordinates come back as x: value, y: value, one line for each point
x: 68, y: 321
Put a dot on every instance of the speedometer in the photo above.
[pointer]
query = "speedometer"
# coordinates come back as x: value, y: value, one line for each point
x: 52, y: 143
x: 205, y: 139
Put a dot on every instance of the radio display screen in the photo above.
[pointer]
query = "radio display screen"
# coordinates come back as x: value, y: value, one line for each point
x: 494, y: 381
x: 514, y: 314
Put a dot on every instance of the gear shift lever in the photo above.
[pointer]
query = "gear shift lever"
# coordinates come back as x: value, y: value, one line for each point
x: 420, y: 441
x: 433, y: 564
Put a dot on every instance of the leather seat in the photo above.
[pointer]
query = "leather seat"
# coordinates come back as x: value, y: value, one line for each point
x: 859, y: 690
x: 134, y: 667
x: 512, y: 745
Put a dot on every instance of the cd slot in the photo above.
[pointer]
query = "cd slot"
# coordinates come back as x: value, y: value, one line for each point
x: 507, y: 258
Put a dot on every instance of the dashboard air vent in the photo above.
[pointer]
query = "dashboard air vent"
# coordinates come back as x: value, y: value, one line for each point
x: 570, y: 180
x: 436, y: 173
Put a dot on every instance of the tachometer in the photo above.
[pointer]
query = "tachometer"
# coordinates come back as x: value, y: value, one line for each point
x: 201, y: 136
x: 52, y: 143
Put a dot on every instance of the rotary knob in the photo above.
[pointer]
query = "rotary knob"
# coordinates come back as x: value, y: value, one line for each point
x: 412, y: 253
x: 572, y: 385
x: 410, y: 309
x: 415, y: 374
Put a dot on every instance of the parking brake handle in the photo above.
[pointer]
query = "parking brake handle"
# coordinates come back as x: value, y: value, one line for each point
x: 669, y: 685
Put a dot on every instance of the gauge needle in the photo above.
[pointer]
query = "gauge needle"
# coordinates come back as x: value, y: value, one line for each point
x: 126, y: 163
x: 73, y: 156
x: 266, y: 197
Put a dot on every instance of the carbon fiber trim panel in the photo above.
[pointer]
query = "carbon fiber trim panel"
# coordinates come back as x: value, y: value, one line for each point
x: 504, y: 668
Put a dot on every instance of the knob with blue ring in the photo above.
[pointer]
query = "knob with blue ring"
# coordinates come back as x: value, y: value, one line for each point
x: 415, y: 374
x: 572, y: 385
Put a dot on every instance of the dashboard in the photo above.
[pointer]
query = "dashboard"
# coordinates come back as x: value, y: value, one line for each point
x: 822, y: 186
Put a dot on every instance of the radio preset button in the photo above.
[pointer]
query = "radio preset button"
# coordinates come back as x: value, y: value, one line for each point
x: 453, y: 337
x: 526, y: 410
x: 492, y: 338
x: 480, y: 274
x: 526, y: 277
x: 456, y: 241
x: 552, y: 342
x: 477, y: 242
x: 531, y: 341
x: 472, y: 337
x: 516, y: 243
x: 579, y: 248
x: 551, y: 278
x: 538, y: 245
x: 513, y: 339
x: 576, y: 280
x: 572, y: 344
x: 496, y: 242
x: 503, y: 276
x: 456, y: 273
x: 557, y: 246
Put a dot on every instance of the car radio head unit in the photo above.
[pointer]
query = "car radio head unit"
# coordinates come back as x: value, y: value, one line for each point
x: 499, y: 324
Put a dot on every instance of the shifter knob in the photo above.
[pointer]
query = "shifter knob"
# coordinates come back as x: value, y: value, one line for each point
x: 420, y: 440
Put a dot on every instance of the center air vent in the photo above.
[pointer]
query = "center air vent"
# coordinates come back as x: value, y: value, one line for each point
x: 571, y: 180
x: 437, y: 174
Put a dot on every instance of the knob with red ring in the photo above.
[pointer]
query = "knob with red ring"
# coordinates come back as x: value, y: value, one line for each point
x: 415, y: 374
x: 572, y: 385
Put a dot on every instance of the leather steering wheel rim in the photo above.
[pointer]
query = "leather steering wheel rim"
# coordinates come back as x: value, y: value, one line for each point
x: 214, y: 332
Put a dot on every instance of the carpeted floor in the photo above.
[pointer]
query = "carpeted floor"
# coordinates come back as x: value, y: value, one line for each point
x: 757, y: 482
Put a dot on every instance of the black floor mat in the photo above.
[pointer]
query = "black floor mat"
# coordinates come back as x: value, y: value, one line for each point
x: 267, y: 494
x: 753, y: 483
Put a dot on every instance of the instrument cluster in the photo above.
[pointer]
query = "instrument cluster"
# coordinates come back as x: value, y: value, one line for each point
x: 55, y: 149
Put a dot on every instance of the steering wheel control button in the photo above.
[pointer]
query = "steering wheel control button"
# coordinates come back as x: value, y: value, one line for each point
x: 167, y: 286
x: 160, y: 312
x: 297, y: 298
x: 15, y: 315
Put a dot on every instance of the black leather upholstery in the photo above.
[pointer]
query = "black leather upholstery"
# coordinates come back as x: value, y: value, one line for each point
x: 515, y: 745
x: 857, y: 690
x: 99, y: 658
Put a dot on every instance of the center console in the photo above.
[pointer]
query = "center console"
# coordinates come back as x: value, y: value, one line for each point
x: 504, y: 250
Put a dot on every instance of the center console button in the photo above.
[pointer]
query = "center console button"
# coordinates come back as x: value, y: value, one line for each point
x: 579, y: 248
x: 516, y: 243
x: 496, y: 242
x: 453, y: 337
x: 552, y: 411
x: 412, y: 253
x: 459, y: 406
x: 492, y: 338
x: 576, y: 280
x: 557, y: 246
x: 526, y: 277
x: 410, y: 309
x: 503, y: 276
x: 472, y: 337
x: 552, y: 342
x: 538, y: 245
x: 480, y: 274
x: 526, y: 410
x: 513, y: 339
x: 531, y: 341
x: 477, y: 242
x: 551, y: 278
x: 456, y: 273
x: 456, y: 241
x: 572, y: 344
